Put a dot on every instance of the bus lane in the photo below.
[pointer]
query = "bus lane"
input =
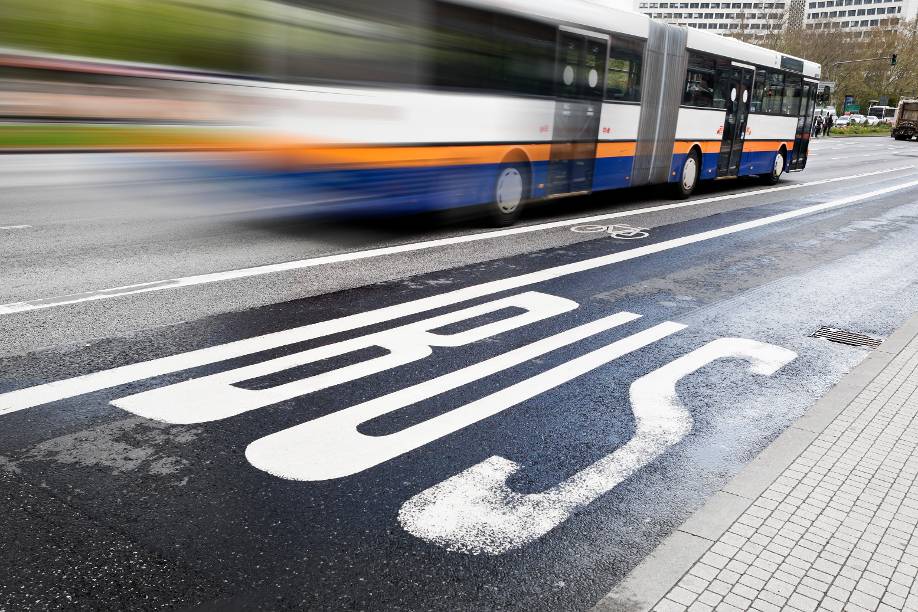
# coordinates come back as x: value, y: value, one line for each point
x: 521, y: 440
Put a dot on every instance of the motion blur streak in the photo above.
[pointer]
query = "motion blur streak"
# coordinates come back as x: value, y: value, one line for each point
x: 402, y: 106
x: 295, y: 91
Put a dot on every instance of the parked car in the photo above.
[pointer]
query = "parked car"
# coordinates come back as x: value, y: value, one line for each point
x: 842, y: 122
x: 858, y: 119
x: 871, y: 120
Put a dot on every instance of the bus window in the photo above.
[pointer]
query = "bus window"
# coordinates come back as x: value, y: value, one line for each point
x: 348, y: 42
x: 758, y: 92
x: 774, y: 94
x: 725, y: 82
x: 701, y: 82
x: 807, y: 96
x: 624, y: 74
x: 792, y: 89
x: 484, y: 50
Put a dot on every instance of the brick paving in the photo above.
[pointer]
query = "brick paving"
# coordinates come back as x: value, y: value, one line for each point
x: 837, y: 529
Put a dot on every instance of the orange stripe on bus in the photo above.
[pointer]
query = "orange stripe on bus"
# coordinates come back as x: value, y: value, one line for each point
x: 707, y: 146
x: 457, y: 155
x: 411, y: 156
x: 615, y: 149
x: 755, y: 146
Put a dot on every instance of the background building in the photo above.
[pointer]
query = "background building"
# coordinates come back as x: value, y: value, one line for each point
x: 857, y: 15
x: 760, y: 17
x: 724, y: 17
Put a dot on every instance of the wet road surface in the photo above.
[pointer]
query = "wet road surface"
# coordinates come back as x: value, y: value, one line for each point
x: 511, y: 422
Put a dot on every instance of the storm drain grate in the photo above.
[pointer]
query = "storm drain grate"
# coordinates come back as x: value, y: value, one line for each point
x: 844, y: 336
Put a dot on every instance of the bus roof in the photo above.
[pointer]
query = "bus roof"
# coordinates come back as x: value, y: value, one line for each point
x: 743, y: 51
x: 589, y: 15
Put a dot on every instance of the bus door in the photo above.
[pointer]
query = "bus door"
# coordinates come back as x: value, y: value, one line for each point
x: 737, y: 84
x: 804, y: 127
x: 579, y: 84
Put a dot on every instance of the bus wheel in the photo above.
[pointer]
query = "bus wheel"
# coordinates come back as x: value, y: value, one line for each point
x: 691, y: 170
x: 776, y: 171
x: 510, y: 192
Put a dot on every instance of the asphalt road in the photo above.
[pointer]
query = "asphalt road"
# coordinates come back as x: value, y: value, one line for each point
x: 465, y: 419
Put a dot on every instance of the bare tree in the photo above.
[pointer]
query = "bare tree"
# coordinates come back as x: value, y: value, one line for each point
x: 829, y: 45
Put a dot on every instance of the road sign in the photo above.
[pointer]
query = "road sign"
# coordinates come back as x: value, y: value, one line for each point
x: 850, y: 106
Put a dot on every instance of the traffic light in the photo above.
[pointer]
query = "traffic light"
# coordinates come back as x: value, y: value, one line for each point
x: 892, y: 60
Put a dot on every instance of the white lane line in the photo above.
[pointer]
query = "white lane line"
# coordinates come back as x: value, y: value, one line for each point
x: 200, y: 279
x: 71, y: 387
x: 874, y: 154
x: 12, y: 227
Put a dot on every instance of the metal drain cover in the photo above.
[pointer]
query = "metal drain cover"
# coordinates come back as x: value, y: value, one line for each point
x: 844, y: 336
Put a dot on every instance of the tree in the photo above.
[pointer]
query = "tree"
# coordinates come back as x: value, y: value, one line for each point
x: 866, y: 80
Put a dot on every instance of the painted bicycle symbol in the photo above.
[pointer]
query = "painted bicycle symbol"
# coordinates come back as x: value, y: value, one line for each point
x: 617, y: 230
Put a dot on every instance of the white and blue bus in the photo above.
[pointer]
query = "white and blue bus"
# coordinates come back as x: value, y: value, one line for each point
x: 513, y: 101
x: 414, y: 105
x: 411, y: 105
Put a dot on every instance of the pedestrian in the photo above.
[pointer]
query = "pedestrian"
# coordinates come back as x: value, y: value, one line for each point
x: 817, y: 126
x: 829, y: 122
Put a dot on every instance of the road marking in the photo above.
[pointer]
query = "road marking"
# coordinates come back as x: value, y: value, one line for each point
x: 853, y: 156
x: 12, y: 227
x: 58, y: 390
x: 477, y: 512
x: 620, y: 231
x: 217, y: 396
x: 332, y: 447
x: 200, y: 279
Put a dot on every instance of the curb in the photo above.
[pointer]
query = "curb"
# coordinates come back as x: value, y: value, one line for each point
x: 657, y: 573
x: 878, y: 135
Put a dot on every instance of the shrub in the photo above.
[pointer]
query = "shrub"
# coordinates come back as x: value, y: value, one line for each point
x: 862, y: 130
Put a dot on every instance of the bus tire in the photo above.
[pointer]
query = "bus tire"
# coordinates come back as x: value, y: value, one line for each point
x: 777, y: 169
x: 511, y: 190
x: 688, y: 181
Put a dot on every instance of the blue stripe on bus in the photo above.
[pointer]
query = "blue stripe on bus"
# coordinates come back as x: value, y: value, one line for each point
x: 708, y: 166
x: 612, y: 172
x: 419, y: 189
x: 757, y: 162
x: 391, y: 190
x: 751, y: 163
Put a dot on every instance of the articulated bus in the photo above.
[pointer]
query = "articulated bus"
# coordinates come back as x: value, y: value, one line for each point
x: 530, y: 100
x: 418, y: 105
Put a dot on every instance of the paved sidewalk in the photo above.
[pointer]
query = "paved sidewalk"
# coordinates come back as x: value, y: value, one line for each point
x: 833, y: 528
